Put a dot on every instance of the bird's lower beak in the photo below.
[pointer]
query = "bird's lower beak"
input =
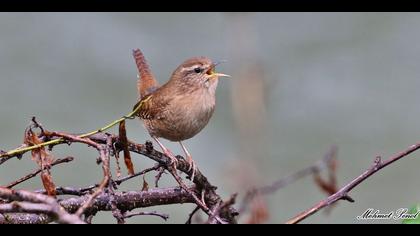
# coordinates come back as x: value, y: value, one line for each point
x: 217, y: 75
x: 222, y: 75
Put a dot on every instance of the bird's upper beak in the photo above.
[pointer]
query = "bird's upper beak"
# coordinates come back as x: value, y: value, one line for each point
x: 213, y: 74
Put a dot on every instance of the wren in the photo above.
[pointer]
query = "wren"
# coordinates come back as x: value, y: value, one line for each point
x: 180, y: 108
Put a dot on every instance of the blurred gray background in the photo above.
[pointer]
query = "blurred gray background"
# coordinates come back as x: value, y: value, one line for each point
x: 301, y: 82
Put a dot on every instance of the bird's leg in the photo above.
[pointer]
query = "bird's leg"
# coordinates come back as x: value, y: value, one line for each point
x: 190, y: 161
x: 168, y: 153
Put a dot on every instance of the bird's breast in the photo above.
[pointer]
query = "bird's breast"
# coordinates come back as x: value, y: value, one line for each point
x: 184, y: 117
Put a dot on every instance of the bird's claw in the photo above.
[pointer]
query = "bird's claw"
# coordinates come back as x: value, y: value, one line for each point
x: 192, y: 167
x: 174, y: 163
x: 173, y: 160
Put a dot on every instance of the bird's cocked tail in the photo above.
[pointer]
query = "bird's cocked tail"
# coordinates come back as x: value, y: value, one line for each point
x: 146, y: 83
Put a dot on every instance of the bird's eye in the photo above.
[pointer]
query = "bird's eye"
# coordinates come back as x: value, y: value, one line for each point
x: 198, y: 70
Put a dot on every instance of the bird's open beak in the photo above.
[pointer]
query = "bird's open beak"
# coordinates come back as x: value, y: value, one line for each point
x: 212, y: 73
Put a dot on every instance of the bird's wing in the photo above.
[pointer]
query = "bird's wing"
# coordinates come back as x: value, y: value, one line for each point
x: 146, y: 83
x: 150, y: 108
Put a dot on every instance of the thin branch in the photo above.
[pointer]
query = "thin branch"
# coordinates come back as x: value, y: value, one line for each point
x: 117, y: 162
x: 21, y: 150
x: 83, y: 191
x: 146, y: 150
x: 104, y: 153
x: 71, y: 190
x: 36, y: 172
x: 342, y: 194
x: 190, y: 216
x: 165, y: 217
x: 159, y: 175
x: 199, y: 180
x: 3, y: 160
x: 28, y: 202
x: 125, y: 201
x: 97, y: 140
x: 319, y: 166
x: 69, y: 138
x: 221, y: 207
x: 199, y: 203
x: 24, y: 218
x: 116, y: 212
x: 88, y: 219
x: 123, y: 179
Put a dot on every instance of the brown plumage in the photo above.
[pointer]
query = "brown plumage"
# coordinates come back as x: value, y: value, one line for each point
x: 147, y: 84
x: 183, y: 106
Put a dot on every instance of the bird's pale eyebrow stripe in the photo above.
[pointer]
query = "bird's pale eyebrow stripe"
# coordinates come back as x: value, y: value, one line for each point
x: 190, y: 67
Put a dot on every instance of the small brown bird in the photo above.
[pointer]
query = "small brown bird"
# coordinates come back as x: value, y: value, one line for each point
x: 181, y: 108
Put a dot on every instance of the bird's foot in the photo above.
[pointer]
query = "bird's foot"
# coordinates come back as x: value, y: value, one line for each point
x: 173, y: 160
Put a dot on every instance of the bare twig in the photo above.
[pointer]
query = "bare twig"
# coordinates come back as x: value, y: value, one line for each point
x: 36, y: 172
x: 104, y: 154
x: 37, y: 125
x: 71, y: 138
x: 199, y: 203
x: 190, y: 216
x: 159, y: 175
x: 71, y: 190
x: 125, y: 201
x: 3, y: 160
x: 200, y: 180
x: 28, y: 202
x: 221, y: 207
x: 101, y: 141
x: 123, y: 179
x: 88, y: 219
x: 117, y: 163
x: 342, y: 194
x: 329, y: 157
x: 25, y: 218
x: 18, y: 152
x: 116, y: 212
x: 165, y: 217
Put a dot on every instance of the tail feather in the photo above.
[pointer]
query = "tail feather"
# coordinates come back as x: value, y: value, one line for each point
x: 146, y: 83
